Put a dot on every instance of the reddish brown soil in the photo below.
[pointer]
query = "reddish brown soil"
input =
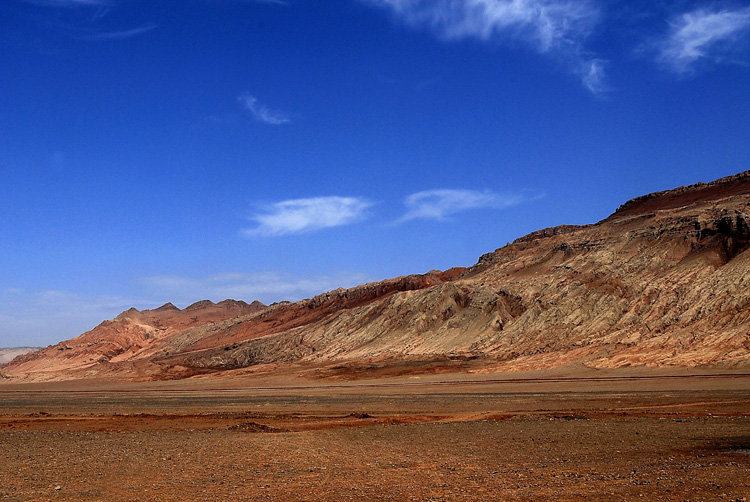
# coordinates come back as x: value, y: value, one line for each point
x: 604, y: 436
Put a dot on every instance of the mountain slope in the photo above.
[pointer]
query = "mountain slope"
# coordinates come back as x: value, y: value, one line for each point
x: 647, y: 286
x: 131, y: 336
x: 662, y: 281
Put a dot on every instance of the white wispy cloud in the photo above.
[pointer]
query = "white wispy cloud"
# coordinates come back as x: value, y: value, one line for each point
x: 553, y: 27
x: 440, y: 204
x: 304, y: 215
x: 121, y: 35
x: 261, y: 113
x: 702, y: 34
x: 592, y: 76
x: 90, y: 28
x: 266, y: 287
x: 69, y: 3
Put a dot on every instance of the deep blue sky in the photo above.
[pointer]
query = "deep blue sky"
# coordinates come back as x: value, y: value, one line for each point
x: 155, y: 151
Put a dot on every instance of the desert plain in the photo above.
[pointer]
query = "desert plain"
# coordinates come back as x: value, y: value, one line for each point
x: 418, y: 433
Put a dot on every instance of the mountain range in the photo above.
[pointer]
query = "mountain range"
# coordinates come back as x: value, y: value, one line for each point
x: 663, y: 281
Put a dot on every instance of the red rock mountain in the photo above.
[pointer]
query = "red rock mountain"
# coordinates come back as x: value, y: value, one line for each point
x: 116, y: 346
x: 663, y: 281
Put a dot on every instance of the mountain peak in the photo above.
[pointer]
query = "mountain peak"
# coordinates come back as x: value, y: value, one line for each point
x: 202, y: 304
x: 127, y: 314
x: 167, y: 306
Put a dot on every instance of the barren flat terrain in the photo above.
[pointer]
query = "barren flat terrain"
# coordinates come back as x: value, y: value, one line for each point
x: 606, y: 435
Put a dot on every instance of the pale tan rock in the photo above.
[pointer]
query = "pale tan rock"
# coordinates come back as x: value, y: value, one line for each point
x: 661, y: 282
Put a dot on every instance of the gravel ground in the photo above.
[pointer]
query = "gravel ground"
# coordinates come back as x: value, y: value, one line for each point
x: 679, y: 444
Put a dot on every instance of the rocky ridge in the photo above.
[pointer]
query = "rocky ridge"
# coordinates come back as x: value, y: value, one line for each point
x: 663, y: 281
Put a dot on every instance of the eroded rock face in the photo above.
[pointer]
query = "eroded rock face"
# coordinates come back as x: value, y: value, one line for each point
x: 662, y: 281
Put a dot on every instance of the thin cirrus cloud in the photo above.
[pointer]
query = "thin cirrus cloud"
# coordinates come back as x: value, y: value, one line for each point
x: 704, y: 35
x: 91, y: 30
x: 556, y: 28
x: 593, y: 76
x: 120, y: 35
x: 296, y: 216
x: 69, y: 3
x: 441, y: 204
x: 262, y: 113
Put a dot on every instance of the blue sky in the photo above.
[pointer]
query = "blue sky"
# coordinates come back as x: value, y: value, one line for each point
x: 155, y: 151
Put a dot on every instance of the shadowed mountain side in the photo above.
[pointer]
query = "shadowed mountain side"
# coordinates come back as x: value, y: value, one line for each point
x: 662, y: 282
